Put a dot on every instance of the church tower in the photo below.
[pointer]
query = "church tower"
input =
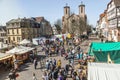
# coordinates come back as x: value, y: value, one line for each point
x: 82, y: 10
x: 66, y: 11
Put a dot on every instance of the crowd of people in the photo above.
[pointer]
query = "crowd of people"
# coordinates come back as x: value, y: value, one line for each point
x: 76, y: 68
x: 77, y: 59
x: 54, y: 71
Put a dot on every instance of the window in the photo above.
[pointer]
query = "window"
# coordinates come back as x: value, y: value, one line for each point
x: 13, y: 38
x: 17, y: 24
x: 17, y: 31
x: 81, y: 9
x: 18, y: 39
x: 8, y: 31
x: 66, y: 11
x: 12, y: 31
x: 9, y: 39
x: 12, y: 24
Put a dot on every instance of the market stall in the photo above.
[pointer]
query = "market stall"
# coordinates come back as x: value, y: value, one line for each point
x: 6, y: 61
x: 4, y: 56
x: 20, y: 52
x: 24, y: 54
x: 20, y: 55
x: 104, y: 51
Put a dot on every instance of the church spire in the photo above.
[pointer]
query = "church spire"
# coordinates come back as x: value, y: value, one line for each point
x: 82, y: 9
x: 66, y: 11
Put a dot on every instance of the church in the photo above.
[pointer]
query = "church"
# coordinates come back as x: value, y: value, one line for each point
x: 73, y: 23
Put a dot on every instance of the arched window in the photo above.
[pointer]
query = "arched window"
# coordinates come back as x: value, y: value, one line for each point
x: 66, y: 11
x: 81, y: 9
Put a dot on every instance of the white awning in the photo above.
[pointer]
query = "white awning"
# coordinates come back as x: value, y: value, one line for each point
x: 25, y: 41
x: 19, y: 50
x: 4, y: 56
x: 103, y: 71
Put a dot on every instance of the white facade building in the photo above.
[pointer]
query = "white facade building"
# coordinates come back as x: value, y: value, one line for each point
x: 113, y: 16
x: 104, y: 27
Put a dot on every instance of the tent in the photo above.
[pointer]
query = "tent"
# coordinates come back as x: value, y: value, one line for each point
x: 19, y: 50
x: 103, y: 71
x: 101, y: 51
x: 15, y: 50
x: 39, y: 40
x: 26, y: 49
x: 4, y: 56
x: 25, y: 41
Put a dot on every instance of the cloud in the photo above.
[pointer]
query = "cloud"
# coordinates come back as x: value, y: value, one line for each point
x: 9, y: 9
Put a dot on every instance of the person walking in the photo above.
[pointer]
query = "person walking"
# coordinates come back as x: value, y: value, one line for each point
x: 60, y: 77
x: 47, y: 65
x: 54, y: 62
x: 35, y: 63
x: 45, y: 76
x: 59, y: 64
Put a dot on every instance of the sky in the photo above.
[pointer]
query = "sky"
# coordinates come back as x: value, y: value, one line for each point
x: 52, y: 10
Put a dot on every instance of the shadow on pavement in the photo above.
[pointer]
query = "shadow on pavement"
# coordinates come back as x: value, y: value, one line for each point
x: 3, y: 74
x: 24, y: 67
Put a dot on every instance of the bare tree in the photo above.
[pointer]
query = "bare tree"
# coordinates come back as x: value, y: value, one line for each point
x: 59, y: 22
x: 78, y: 26
x: 58, y: 25
x: 73, y: 26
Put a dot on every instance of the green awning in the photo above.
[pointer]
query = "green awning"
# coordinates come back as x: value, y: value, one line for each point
x: 101, y: 51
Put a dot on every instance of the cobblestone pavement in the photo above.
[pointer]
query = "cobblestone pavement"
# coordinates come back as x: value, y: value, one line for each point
x: 28, y: 69
x: 85, y: 45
